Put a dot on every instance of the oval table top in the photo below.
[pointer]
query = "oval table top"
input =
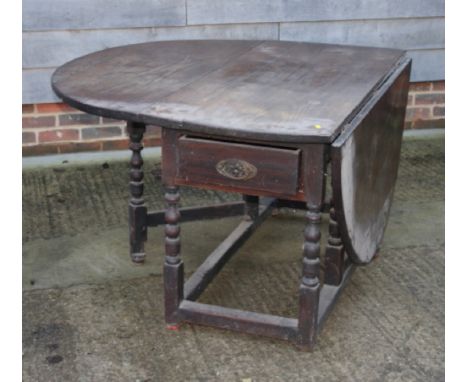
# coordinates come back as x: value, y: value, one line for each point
x: 263, y: 90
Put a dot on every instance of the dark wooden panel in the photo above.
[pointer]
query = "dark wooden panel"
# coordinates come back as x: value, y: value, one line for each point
x: 132, y: 78
x: 365, y: 164
x: 271, y: 91
x: 246, y: 167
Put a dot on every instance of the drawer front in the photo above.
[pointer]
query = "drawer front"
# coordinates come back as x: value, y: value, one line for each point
x: 238, y: 166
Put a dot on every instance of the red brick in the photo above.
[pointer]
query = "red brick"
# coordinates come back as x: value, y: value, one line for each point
x: 153, y: 130
x: 112, y: 121
x: 438, y: 85
x: 54, y: 108
x: 410, y: 99
x: 115, y: 144
x: 39, y: 150
x: 430, y: 99
x: 48, y: 121
x: 415, y: 113
x: 439, y: 111
x: 58, y: 135
x: 419, y: 86
x: 152, y: 141
x: 73, y: 147
x: 28, y: 108
x: 429, y: 123
x: 122, y: 144
x: 101, y: 132
x: 29, y: 137
x: 78, y: 119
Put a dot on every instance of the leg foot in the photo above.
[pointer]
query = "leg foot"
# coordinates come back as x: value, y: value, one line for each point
x: 334, y: 253
x: 173, y: 327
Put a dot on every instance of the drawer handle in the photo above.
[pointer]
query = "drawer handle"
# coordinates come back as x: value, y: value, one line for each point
x: 236, y: 169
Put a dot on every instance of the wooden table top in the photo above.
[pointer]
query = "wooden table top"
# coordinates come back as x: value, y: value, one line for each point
x: 262, y: 90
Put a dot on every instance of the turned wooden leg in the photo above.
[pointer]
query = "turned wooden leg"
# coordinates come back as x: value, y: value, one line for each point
x: 251, y: 207
x: 173, y: 265
x: 309, y: 289
x: 136, y: 210
x: 334, y: 253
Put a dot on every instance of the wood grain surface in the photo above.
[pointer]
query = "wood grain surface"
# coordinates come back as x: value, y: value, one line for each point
x: 243, y: 167
x: 263, y: 90
x: 365, y: 161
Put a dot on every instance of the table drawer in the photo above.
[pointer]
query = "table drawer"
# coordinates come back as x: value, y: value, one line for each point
x: 238, y: 166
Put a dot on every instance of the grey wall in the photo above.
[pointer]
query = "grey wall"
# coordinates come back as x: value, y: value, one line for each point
x: 56, y: 31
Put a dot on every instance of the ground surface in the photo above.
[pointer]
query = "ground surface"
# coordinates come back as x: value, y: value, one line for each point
x: 90, y: 315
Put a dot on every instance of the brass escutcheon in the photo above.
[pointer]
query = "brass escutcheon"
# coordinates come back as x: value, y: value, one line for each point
x: 237, y: 169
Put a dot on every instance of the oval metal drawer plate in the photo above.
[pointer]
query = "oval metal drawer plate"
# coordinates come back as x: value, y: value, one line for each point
x: 237, y: 169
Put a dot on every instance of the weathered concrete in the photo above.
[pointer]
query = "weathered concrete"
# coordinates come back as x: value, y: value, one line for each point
x: 91, y: 315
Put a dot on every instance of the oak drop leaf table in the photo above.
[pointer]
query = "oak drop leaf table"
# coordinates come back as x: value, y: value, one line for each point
x: 264, y: 119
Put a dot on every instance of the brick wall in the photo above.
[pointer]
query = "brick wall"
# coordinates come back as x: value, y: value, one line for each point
x: 426, y: 105
x: 55, y: 128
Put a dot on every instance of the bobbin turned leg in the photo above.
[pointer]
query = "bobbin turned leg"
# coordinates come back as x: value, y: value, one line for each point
x: 136, y: 209
x: 334, y: 253
x: 309, y: 289
x: 173, y: 265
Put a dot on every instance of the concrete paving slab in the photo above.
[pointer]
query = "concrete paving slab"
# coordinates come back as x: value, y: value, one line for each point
x: 388, y: 326
x: 89, y: 314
